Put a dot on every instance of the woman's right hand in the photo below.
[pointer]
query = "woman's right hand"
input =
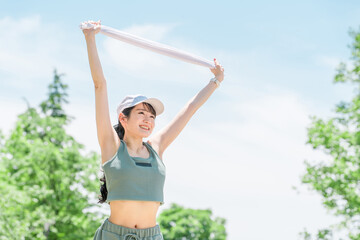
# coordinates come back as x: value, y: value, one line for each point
x: 93, y: 30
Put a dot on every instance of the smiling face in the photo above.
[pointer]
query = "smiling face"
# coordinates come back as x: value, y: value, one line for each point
x: 141, y: 121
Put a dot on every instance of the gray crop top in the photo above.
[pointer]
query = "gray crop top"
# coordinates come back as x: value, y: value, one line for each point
x: 135, y: 178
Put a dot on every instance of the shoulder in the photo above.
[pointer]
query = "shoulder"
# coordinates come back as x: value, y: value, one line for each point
x: 156, y: 148
x: 109, y: 151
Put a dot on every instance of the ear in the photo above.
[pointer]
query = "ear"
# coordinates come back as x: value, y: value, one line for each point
x: 122, y: 118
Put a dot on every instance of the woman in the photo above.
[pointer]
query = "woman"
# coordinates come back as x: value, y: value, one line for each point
x: 134, y: 171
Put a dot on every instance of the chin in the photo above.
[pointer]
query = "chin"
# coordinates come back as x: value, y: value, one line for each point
x: 145, y: 135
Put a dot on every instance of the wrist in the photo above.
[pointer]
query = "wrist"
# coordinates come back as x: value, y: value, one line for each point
x: 220, y: 77
x: 215, y: 81
x: 90, y: 38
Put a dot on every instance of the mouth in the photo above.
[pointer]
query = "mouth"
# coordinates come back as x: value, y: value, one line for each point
x: 144, y: 127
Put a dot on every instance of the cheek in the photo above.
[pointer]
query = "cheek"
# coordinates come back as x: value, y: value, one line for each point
x: 137, y: 118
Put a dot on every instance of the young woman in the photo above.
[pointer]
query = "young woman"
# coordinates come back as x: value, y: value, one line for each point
x: 134, y: 171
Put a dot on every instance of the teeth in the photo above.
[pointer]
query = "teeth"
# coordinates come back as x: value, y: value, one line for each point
x: 144, y: 127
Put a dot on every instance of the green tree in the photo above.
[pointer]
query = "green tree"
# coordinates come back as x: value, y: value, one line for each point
x: 46, y: 183
x: 338, y: 181
x: 180, y: 223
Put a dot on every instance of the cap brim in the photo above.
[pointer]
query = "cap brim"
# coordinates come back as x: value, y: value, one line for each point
x: 156, y: 104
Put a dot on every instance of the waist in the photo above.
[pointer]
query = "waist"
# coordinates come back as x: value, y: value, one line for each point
x: 133, y: 214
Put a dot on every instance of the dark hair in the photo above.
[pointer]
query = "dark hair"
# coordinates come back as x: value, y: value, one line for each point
x: 121, y: 132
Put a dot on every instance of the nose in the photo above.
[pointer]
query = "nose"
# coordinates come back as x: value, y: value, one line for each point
x: 147, y: 120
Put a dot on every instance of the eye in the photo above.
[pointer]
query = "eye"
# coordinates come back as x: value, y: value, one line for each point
x: 153, y: 117
x: 141, y: 112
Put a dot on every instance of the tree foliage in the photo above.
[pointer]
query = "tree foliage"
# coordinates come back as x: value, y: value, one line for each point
x: 184, y: 223
x: 338, y: 181
x: 41, y: 174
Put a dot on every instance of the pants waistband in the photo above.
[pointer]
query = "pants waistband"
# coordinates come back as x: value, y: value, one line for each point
x: 121, y: 230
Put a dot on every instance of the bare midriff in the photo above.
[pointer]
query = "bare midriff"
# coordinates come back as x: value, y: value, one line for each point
x: 134, y: 214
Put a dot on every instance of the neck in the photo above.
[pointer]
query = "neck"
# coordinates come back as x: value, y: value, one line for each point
x: 134, y: 144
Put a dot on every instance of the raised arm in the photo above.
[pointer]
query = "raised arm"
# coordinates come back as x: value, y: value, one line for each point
x: 107, y: 136
x: 163, y: 138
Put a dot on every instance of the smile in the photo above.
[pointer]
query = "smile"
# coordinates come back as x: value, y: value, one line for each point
x: 144, y: 127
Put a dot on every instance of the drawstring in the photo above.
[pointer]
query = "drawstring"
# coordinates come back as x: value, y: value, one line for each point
x: 131, y: 236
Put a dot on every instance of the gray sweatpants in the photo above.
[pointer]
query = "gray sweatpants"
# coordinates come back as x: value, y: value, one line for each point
x: 111, y: 231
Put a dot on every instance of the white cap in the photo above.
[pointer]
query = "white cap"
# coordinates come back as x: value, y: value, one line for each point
x: 132, y: 100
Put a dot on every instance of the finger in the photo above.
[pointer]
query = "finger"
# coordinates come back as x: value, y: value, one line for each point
x: 217, y: 63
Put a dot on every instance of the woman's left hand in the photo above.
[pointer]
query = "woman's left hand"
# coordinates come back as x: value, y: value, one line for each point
x: 218, y: 71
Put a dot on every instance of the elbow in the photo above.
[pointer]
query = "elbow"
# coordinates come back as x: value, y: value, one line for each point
x: 99, y: 85
x: 192, y: 107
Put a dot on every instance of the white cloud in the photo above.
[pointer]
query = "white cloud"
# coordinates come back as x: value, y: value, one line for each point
x: 328, y: 61
x: 16, y: 47
x: 21, y: 26
x: 31, y: 49
x: 10, y: 108
x: 151, y: 31
x: 244, y: 168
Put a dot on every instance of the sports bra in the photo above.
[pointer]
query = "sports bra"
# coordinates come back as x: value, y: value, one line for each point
x: 135, y: 178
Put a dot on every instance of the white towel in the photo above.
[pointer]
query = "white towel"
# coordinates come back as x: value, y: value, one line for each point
x: 151, y: 45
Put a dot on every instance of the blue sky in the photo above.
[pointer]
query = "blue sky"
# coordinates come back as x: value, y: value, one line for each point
x: 244, y: 149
